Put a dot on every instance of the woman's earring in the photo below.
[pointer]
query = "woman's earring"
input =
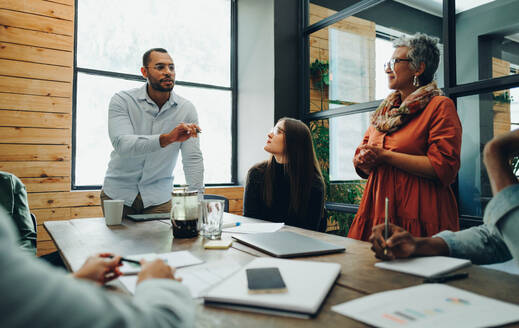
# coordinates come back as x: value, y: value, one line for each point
x: 415, y: 81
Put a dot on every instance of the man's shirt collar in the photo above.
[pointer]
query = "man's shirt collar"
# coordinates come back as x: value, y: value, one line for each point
x: 143, y: 95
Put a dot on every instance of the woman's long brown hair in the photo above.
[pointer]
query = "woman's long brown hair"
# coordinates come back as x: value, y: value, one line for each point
x: 301, y: 166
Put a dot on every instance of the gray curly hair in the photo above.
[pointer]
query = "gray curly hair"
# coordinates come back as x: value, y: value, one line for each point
x: 422, y: 49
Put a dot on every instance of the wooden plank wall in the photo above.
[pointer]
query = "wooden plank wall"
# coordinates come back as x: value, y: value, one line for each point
x: 36, y: 75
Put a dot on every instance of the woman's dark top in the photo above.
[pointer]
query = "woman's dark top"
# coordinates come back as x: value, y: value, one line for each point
x: 255, y: 207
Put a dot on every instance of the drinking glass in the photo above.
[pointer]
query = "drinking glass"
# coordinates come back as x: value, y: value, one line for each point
x: 212, y: 214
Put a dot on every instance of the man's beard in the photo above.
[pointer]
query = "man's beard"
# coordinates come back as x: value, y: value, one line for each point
x: 157, y: 86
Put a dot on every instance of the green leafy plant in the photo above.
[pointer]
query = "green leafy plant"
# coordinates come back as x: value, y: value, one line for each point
x: 319, y: 73
x: 502, y: 97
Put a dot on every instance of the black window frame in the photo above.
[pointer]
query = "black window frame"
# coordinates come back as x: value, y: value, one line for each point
x: 451, y: 88
x: 233, y: 88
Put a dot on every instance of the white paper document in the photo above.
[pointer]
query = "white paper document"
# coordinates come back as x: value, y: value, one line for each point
x: 429, y: 266
x: 174, y: 259
x: 255, y: 228
x: 197, y: 278
x: 511, y: 267
x: 429, y: 305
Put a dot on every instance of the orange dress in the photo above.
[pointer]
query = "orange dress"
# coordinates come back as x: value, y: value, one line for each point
x: 420, y: 205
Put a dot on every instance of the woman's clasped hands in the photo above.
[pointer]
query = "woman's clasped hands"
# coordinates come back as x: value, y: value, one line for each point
x: 369, y: 157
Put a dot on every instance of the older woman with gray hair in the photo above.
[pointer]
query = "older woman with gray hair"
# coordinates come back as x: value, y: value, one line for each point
x: 411, y: 151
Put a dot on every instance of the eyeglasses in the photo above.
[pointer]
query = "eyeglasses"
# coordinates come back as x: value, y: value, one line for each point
x: 391, y: 63
x: 162, y: 67
x: 277, y: 130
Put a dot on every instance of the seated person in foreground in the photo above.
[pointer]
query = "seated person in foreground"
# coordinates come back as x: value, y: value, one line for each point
x: 13, y: 198
x: 37, y: 294
x: 497, y: 240
x: 288, y: 187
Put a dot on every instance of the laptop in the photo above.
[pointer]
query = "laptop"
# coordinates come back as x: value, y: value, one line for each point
x: 287, y: 244
x: 149, y: 217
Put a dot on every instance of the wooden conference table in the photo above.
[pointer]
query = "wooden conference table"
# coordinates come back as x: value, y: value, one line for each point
x: 77, y: 239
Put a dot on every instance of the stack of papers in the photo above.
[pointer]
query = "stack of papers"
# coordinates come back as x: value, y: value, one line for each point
x: 429, y: 305
x: 174, y: 259
x: 424, y: 266
x: 307, y: 284
x: 255, y: 228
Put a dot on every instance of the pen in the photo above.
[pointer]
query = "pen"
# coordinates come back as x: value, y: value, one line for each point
x: 230, y: 225
x: 442, y: 279
x: 386, y: 226
x: 123, y: 259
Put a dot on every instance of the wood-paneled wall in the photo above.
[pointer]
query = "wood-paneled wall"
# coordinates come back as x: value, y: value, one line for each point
x: 36, y: 75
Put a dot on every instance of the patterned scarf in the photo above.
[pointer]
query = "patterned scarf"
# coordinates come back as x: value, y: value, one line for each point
x: 392, y: 113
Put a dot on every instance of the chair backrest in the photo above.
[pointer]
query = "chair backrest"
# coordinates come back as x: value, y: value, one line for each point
x: 226, y: 207
x: 35, y: 224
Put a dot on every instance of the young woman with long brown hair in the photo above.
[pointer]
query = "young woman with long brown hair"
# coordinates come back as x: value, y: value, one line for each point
x: 288, y: 187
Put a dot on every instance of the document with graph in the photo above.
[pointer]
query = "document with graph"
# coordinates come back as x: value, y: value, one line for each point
x: 429, y: 305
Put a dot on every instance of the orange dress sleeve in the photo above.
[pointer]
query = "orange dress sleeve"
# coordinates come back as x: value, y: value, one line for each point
x: 445, y: 141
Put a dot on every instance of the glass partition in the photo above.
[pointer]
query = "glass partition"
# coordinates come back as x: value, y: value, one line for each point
x: 482, y: 116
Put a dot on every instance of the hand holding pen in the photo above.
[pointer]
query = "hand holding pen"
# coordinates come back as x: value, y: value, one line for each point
x: 399, y: 244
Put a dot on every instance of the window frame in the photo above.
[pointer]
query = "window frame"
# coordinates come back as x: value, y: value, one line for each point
x: 134, y: 77
x: 451, y: 88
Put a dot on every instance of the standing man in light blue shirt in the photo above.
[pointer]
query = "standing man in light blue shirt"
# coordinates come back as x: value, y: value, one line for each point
x: 148, y: 127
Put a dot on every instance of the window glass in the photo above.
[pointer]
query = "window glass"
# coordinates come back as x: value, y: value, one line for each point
x: 480, y: 41
x: 335, y: 142
x: 92, y: 142
x: 321, y: 9
x: 196, y: 33
x: 482, y: 116
x: 93, y: 145
x: 346, y: 133
x: 346, y: 64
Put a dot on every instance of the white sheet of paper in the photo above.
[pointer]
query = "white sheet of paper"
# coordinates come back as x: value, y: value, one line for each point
x: 424, y: 266
x: 255, y: 228
x: 511, y: 267
x: 200, y: 277
x: 429, y: 305
x: 174, y: 259
x: 197, y: 278
x: 132, y: 268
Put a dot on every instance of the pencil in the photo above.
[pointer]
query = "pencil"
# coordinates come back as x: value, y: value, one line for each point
x: 386, y: 225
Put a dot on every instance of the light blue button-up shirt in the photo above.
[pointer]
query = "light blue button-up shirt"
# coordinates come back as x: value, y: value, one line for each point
x: 138, y: 164
x: 497, y: 240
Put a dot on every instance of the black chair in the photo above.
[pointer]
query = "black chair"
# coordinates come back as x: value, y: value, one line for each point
x: 226, y: 206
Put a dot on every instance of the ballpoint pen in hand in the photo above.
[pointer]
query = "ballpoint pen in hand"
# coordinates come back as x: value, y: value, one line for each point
x: 123, y: 259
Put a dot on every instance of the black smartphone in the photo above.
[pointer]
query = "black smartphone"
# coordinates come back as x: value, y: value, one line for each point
x: 265, y: 280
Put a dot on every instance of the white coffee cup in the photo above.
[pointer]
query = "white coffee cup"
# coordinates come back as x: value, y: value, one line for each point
x: 113, y: 211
